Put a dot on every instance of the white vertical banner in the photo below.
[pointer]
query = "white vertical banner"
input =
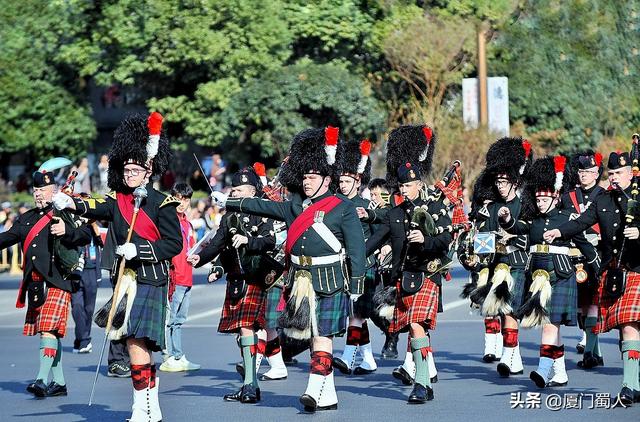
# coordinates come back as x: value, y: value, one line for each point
x: 470, y: 109
x: 498, y: 104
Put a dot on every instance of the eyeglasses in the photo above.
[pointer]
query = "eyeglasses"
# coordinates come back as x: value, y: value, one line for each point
x: 501, y: 183
x: 132, y: 172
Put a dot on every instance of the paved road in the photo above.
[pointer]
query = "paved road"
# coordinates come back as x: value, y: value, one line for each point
x: 468, y: 389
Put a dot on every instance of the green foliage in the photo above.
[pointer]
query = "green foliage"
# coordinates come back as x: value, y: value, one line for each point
x: 41, y: 109
x: 572, y: 68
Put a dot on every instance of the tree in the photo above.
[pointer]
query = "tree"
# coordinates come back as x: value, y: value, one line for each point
x: 43, y: 113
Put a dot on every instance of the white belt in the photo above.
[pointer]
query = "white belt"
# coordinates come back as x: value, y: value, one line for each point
x: 561, y: 250
x: 307, y: 261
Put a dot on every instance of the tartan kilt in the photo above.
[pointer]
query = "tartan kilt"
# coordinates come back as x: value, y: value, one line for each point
x: 247, y: 312
x: 520, y: 287
x: 615, y: 312
x: 332, y: 313
x: 587, y: 293
x: 563, y: 303
x: 148, y: 313
x: 51, y: 316
x: 363, y: 308
x: 271, y: 312
x: 421, y: 307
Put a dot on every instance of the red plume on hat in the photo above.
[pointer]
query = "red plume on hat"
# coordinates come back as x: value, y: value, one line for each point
x: 428, y: 135
x: 365, y: 149
x: 527, y: 153
x: 598, y: 158
x: 331, y: 143
x: 559, y: 163
x: 154, y: 124
x: 261, y: 171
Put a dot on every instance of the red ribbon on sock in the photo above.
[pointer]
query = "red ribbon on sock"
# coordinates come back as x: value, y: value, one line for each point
x: 49, y: 352
x: 425, y: 351
x: 633, y: 354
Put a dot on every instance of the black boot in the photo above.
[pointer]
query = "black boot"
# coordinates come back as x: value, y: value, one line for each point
x: 54, y: 389
x: 401, y: 374
x: 390, y: 349
x: 626, y: 396
x: 250, y: 394
x: 589, y: 360
x: 420, y: 394
x: 37, y: 388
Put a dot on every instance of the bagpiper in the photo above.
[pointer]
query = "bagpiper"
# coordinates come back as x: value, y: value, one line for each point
x: 581, y: 190
x: 240, y: 242
x: 552, y: 295
x: 322, y: 231
x: 419, y: 247
x: 354, y: 170
x: 499, y: 258
x: 617, y: 214
x: 145, y: 225
x: 51, y: 271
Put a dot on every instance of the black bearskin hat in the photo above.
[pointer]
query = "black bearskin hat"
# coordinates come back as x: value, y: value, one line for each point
x: 311, y: 151
x: 352, y: 158
x: 131, y: 143
x: 544, y: 177
x: 506, y: 156
x: 580, y: 161
x: 410, y: 144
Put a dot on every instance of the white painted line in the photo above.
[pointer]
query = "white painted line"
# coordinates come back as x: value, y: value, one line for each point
x: 203, y: 315
x: 455, y: 304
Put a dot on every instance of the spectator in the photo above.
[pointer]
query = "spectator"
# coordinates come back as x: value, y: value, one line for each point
x: 103, y: 167
x: 218, y: 171
x: 180, y: 284
x: 83, y: 302
x: 83, y: 179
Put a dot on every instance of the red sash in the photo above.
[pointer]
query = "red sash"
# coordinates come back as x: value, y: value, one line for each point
x: 574, y: 201
x: 145, y: 227
x: 305, y: 220
x: 37, y: 228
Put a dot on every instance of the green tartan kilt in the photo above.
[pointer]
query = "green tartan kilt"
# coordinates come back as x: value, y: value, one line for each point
x: 520, y: 287
x: 147, y: 317
x: 332, y: 313
x: 271, y: 312
x: 563, y: 304
x: 363, y: 308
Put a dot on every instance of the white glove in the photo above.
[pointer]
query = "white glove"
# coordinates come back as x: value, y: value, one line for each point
x: 128, y: 251
x: 219, y: 198
x: 62, y: 200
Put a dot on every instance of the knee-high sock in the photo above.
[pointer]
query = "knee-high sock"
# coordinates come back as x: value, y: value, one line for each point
x: 272, y: 347
x: 592, y: 338
x: 249, y: 350
x: 48, y: 351
x: 491, y: 326
x: 56, y: 367
x: 321, y: 363
x: 420, y: 349
x: 630, y: 359
x: 364, y: 336
x: 140, y: 376
x: 510, y: 337
x: 354, y: 335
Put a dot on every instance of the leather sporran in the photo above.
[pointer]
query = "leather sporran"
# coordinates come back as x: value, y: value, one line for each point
x: 411, y: 282
x: 36, y: 294
x: 615, y: 282
x: 236, y: 286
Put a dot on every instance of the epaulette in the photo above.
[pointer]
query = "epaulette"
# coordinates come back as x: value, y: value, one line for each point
x: 170, y: 200
x: 111, y: 194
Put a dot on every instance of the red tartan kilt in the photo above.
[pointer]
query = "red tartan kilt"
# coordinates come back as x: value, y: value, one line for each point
x: 51, y: 316
x: 247, y: 312
x: 421, y: 307
x: 625, y: 309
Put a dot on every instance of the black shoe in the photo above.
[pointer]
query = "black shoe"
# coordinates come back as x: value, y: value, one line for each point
x: 237, y: 396
x: 250, y: 394
x: 505, y: 371
x: 434, y: 379
x: 420, y: 394
x: 341, y: 366
x: 626, y: 396
x: 390, y: 349
x: 119, y: 370
x: 240, y: 369
x: 54, y: 389
x: 538, y: 379
x: 557, y: 384
x: 401, y: 374
x: 310, y: 404
x: 636, y: 395
x: 589, y: 360
x: 362, y: 371
x: 580, y: 348
x: 264, y: 377
x: 38, y: 388
x: 489, y: 358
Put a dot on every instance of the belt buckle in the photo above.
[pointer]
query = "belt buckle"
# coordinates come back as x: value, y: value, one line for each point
x: 305, y: 261
x: 543, y: 249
